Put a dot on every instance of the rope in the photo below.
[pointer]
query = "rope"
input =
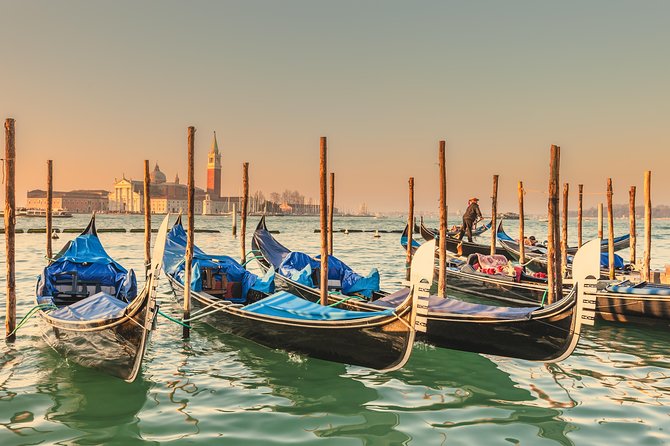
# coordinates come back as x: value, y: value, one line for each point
x: 173, y: 319
x: 344, y: 300
x: 252, y: 257
x: 544, y: 296
x: 30, y: 314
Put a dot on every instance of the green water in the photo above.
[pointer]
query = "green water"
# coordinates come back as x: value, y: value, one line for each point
x: 218, y: 389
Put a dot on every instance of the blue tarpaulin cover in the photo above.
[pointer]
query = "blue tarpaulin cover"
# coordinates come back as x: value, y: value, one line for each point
x: 286, y: 305
x: 642, y: 288
x: 455, y: 306
x: 86, y: 257
x: 173, y: 264
x: 99, y: 306
x: 295, y: 263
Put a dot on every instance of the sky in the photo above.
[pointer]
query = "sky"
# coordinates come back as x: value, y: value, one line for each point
x: 100, y: 86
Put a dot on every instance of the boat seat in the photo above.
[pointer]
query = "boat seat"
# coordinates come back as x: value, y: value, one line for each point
x: 70, y: 289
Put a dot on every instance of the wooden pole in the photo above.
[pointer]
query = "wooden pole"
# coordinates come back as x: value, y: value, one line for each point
x: 50, y: 200
x: 410, y: 228
x: 442, y: 277
x: 330, y: 213
x: 580, y: 209
x: 323, y: 169
x: 610, y: 229
x: 646, y: 263
x: 10, y: 224
x: 494, y: 214
x: 631, y: 224
x: 564, y: 232
x: 243, y: 214
x: 553, y: 259
x: 147, y: 218
x: 600, y: 221
x: 188, y: 260
x: 522, y: 237
x: 234, y: 221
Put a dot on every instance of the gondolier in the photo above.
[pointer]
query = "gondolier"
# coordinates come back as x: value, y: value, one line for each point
x: 471, y: 216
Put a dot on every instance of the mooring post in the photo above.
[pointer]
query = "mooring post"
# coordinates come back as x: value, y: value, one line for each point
x: 234, y: 220
x: 243, y: 214
x: 646, y: 264
x: 331, y: 209
x: 442, y: 277
x: 188, y: 258
x: 564, y: 230
x: 580, y: 206
x: 410, y: 228
x: 50, y: 200
x: 147, y: 219
x: 323, y: 180
x: 10, y: 225
x: 522, y: 237
x: 553, y: 258
x: 600, y: 221
x: 631, y: 224
x: 610, y: 230
x: 494, y: 214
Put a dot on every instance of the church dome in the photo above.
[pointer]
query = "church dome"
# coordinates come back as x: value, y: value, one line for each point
x: 157, y: 177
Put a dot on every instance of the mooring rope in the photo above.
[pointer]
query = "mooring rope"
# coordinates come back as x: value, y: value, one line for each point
x: 345, y: 299
x: 32, y: 312
x: 173, y: 319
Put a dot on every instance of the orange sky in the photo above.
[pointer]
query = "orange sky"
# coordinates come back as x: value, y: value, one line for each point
x: 98, y: 88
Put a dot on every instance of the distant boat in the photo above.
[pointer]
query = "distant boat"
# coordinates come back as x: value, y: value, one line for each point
x: 43, y: 213
x: 509, y: 216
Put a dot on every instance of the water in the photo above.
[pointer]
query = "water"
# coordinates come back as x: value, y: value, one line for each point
x: 218, y: 389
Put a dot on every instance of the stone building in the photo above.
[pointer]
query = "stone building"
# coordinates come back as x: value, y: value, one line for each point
x: 76, y: 201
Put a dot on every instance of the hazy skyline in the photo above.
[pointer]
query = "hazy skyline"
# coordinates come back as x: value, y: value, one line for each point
x: 99, y: 87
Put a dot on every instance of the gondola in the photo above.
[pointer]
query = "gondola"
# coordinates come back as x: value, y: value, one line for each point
x: 463, y: 247
x: 429, y: 234
x: 235, y: 301
x: 625, y: 301
x: 91, y: 310
x: 536, y: 256
x: 539, y: 333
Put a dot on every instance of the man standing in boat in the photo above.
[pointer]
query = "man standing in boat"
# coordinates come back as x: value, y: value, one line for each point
x: 471, y: 216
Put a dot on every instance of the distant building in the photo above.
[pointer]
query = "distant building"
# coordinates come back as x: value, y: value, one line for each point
x: 214, y: 171
x: 76, y: 201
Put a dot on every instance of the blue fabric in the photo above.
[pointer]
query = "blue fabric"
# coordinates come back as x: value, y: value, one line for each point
x: 173, y: 264
x: 604, y: 261
x: 95, y: 307
x: 295, y: 266
x: 272, y: 250
x: 403, y: 242
x: 86, y: 257
x: 642, y: 288
x: 287, y: 305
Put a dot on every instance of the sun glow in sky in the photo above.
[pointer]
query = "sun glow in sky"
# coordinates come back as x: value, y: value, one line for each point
x: 99, y: 87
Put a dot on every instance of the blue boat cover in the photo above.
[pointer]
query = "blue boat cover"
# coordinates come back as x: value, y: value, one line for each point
x: 458, y: 307
x: 95, y: 307
x: 173, y: 264
x: 642, y: 288
x: 286, y: 305
x: 86, y: 257
x: 270, y: 247
x: 298, y: 266
x: 403, y: 242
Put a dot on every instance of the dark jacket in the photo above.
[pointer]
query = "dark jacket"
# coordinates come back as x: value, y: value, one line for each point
x: 472, y: 212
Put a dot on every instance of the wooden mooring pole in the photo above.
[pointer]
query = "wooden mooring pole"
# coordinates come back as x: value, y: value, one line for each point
x: 564, y: 230
x: 50, y: 201
x: 442, y: 276
x: 580, y: 210
x: 188, y: 259
x: 243, y: 213
x: 234, y: 220
x: 600, y: 221
x: 555, y: 287
x: 631, y: 224
x: 331, y: 209
x: 646, y: 263
x: 522, y: 237
x: 147, y: 218
x: 410, y: 228
x: 10, y: 225
x: 323, y: 183
x: 610, y: 230
x: 494, y: 214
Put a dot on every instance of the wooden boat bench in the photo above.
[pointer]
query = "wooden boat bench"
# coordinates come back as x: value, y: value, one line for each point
x: 70, y: 289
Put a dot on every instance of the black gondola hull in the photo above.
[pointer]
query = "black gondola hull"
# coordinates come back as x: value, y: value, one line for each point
x: 384, y: 345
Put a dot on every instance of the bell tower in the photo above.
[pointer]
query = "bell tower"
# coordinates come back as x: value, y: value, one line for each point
x: 214, y: 171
